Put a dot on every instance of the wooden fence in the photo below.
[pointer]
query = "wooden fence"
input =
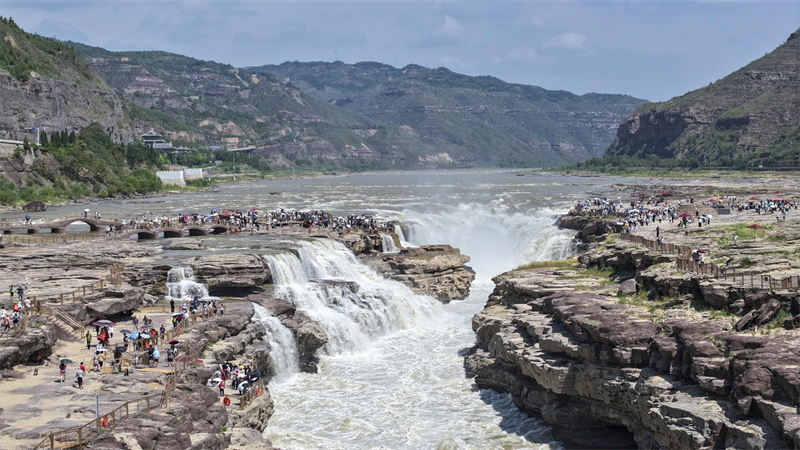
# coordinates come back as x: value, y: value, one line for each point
x: 254, y: 392
x: 79, y: 295
x: 748, y: 279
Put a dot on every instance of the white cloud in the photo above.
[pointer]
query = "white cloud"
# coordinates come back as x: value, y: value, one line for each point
x: 569, y: 41
x: 521, y: 54
x: 450, y: 27
x: 450, y: 61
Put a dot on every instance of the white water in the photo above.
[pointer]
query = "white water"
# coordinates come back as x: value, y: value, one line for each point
x: 353, y: 303
x: 388, y: 244
x: 181, y: 283
x: 283, y: 348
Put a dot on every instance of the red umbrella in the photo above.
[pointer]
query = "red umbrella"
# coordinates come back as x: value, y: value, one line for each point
x: 700, y: 250
x: 753, y: 198
x: 778, y: 192
x: 664, y: 193
x: 684, y: 215
x: 756, y: 227
x: 776, y: 199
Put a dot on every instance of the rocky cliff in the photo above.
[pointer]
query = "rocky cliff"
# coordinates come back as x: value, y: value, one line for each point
x: 632, y: 353
x: 748, y: 117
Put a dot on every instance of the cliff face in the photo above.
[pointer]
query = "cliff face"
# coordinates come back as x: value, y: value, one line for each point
x: 46, y: 84
x: 750, y: 116
x: 606, y: 373
x: 468, y: 118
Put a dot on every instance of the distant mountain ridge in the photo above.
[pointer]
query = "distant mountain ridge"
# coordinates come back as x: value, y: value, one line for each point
x: 481, y: 119
x: 749, y: 117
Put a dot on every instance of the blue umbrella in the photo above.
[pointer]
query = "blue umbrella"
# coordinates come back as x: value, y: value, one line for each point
x: 135, y: 335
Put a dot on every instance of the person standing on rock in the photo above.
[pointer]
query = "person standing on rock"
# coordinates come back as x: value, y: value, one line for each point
x: 62, y: 369
x: 88, y: 340
x: 658, y: 231
x: 172, y: 305
x: 135, y: 323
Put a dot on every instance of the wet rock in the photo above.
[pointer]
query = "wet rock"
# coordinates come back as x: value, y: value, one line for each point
x: 435, y: 270
x: 230, y: 273
x: 185, y: 244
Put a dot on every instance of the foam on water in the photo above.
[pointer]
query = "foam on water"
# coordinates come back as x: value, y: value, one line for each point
x: 388, y: 245
x: 181, y: 284
x: 283, y: 348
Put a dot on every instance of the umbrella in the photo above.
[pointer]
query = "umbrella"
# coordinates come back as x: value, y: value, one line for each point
x: 103, y: 323
x: 145, y: 335
x: 701, y: 250
x: 120, y: 349
x: 174, y: 341
x: 213, y: 210
x: 126, y: 331
x: 776, y: 199
x: 753, y: 198
x: 135, y: 335
x: 102, y: 349
x: 254, y: 209
x: 27, y: 216
x: 216, y: 380
x: 756, y: 227
x: 685, y: 215
x: 66, y: 361
x: 177, y: 314
x: 664, y: 193
x: 778, y: 192
x: 87, y: 210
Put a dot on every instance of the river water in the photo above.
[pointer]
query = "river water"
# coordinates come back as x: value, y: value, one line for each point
x: 392, y: 377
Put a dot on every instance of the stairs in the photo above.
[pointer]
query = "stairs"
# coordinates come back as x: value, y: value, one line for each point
x: 66, y: 324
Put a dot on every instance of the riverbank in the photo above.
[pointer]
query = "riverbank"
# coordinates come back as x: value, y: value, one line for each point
x: 621, y: 348
x: 241, y: 278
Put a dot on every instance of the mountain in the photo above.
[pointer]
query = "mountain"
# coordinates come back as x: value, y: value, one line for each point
x: 480, y: 119
x: 47, y: 84
x: 750, y: 117
x: 217, y: 104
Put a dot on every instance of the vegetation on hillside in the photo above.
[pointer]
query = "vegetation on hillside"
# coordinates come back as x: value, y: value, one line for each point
x: 749, y: 118
x: 23, y: 53
x: 87, y: 163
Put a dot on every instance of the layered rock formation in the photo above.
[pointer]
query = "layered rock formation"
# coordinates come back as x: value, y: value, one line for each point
x: 748, y: 117
x: 436, y: 270
x: 230, y: 272
x: 606, y: 373
x: 617, y: 348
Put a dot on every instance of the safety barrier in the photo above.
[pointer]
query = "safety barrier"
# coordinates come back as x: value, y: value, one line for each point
x: 750, y: 279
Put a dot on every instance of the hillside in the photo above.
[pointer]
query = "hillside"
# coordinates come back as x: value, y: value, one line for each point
x: 45, y: 83
x: 750, y: 117
x: 480, y: 119
x: 217, y: 104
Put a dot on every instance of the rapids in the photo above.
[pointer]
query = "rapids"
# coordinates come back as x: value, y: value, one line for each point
x: 392, y: 376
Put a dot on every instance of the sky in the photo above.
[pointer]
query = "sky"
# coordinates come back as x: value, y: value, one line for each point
x: 653, y: 50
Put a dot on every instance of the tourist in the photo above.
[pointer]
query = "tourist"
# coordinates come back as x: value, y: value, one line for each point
x: 222, y: 387
x: 4, y: 317
x: 101, y: 359
x: 735, y: 239
x: 96, y: 361
x: 20, y: 291
x: 172, y: 305
x: 88, y: 340
x: 156, y: 355
x: 79, y: 374
x: 163, y: 329
x: 135, y: 323
x: 62, y: 369
x: 11, y: 291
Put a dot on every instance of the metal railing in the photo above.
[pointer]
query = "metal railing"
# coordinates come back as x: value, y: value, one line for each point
x: 750, y: 279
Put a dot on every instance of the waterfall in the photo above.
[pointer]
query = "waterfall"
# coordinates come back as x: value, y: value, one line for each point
x: 283, y: 348
x: 497, y: 240
x: 181, y: 283
x: 352, y: 302
x: 388, y: 245
x: 398, y: 229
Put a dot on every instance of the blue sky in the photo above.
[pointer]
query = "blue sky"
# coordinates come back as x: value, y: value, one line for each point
x: 650, y: 49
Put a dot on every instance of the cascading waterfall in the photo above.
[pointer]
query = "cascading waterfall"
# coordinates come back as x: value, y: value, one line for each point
x: 353, y: 303
x: 283, y: 348
x: 181, y: 284
x: 401, y: 237
x: 496, y: 240
x: 388, y: 245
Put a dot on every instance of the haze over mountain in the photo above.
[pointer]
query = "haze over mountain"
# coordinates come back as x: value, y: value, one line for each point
x: 749, y: 117
x: 468, y: 118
